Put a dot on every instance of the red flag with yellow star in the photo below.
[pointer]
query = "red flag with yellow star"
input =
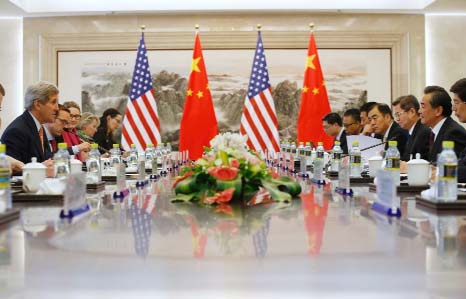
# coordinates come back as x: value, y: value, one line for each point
x: 198, y: 124
x: 314, y: 101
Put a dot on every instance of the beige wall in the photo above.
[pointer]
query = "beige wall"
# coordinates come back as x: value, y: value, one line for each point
x: 10, y: 66
x: 331, y: 31
x: 445, y: 49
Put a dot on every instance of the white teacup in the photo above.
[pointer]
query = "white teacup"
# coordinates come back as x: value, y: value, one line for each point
x: 33, y: 175
x: 418, y: 171
x: 76, y: 166
x: 375, y: 163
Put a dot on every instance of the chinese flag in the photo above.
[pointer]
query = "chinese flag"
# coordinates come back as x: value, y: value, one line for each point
x: 314, y: 101
x: 198, y: 124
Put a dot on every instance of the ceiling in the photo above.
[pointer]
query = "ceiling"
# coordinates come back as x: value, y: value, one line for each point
x: 36, y: 8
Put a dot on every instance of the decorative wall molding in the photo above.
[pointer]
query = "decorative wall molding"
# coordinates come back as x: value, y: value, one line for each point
x: 52, y: 44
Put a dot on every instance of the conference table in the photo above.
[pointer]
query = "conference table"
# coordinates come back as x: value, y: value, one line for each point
x: 322, y: 245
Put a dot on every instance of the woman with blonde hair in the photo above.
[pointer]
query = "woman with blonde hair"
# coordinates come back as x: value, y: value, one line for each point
x: 87, y: 126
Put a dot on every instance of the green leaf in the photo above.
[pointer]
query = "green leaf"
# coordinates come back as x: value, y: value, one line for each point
x: 180, y: 197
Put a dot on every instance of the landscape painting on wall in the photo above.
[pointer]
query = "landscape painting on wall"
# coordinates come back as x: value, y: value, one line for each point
x: 100, y: 79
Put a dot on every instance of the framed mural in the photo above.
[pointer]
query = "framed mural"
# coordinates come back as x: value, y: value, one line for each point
x: 100, y: 79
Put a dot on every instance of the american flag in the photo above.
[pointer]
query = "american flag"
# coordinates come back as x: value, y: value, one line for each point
x: 141, y: 219
x: 141, y: 124
x: 259, y: 120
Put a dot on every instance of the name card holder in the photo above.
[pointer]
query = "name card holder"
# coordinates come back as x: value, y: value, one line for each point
x: 74, y: 198
x: 386, y: 201
x: 120, y: 196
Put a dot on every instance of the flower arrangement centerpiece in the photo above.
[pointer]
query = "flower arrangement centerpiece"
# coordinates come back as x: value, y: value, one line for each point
x: 229, y: 171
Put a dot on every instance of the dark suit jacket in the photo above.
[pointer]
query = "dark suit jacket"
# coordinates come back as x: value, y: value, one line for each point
x: 452, y: 131
x: 343, y: 143
x: 462, y: 167
x: 418, y: 142
x: 398, y: 134
x: 23, y: 142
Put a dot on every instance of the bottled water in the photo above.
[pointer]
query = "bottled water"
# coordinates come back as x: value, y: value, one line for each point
x: 5, y: 187
x: 164, y: 149
x: 115, y: 157
x: 319, y: 162
x: 149, y: 155
x: 61, y: 161
x: 169, y: 147
x: 159, y: 157
x: 336, y: 156
x: 355, y: 160
x: 133, y: 157
x: 300, y: 150
x: 392, y: 161
x: 447, y: 172
x: 307, y: 156
x: 93, y: 164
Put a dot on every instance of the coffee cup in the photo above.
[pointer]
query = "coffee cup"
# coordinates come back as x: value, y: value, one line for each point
x: 418, y: 171
x: 75, y: 166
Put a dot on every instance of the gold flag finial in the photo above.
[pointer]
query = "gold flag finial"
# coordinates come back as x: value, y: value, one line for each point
x: 259, y: 27
x: 312, y: 26
x: 196, y: 26
x: 143, y: 27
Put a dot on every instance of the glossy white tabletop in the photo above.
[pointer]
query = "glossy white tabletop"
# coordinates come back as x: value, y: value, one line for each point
x: 322, y: 246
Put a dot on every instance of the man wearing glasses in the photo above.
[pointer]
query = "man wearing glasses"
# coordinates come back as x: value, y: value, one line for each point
x: 406, y: 112
x: 352, y: 122
x: 459, y: 107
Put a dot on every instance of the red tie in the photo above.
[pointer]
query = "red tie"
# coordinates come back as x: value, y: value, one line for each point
x: 41, y: 136
x: 53, y: 142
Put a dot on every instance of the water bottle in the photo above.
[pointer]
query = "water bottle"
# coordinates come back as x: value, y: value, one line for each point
x: 61, y: 161
x: 392, y: 161
x: 300, y: 150
x: 133, y: 157
x: 93, y: 164
x: 115, y: 157
x: 169, y: 147
x: 158, y: 157
x: 447, y: 172
x: 5, y: 187
x: 336, y: 156
x: 355, y: 160
x: 319, y: 162
x: 149, y: 155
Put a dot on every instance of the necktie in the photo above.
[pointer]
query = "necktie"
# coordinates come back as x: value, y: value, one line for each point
x: 431, y: 139
x: 53, y: 142
x: 41, y: 136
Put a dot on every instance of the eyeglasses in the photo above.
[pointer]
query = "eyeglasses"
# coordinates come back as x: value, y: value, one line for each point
x: 398, y: 114
x: 75, y: 116
x: 455, y: 103
x: 63, y: 121
x: 348, y: 125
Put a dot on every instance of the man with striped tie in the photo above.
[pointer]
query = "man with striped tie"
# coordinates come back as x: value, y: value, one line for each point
x: 25, y: 136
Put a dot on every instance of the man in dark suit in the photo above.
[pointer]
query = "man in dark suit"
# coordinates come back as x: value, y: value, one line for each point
x: 406, y: 112
x: 25, y: 136
x: 381, y: 120
x: 435, y: 112
x: 332, y: 124
x: 459, y: 107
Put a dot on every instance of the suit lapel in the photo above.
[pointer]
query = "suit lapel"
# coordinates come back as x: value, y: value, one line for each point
x: 35, y: 135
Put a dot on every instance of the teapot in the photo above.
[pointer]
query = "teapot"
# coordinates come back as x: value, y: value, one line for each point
x: 34, y: 174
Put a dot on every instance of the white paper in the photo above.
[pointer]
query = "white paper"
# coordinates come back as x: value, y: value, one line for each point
x: 365, y: 142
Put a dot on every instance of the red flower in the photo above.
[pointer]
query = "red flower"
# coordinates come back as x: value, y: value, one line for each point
x: 234, y: 163
x: 223, y: 173
x: 274, y: 174
x: 221, y: 197
x: 225, y: 209
x: 181, y: 178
